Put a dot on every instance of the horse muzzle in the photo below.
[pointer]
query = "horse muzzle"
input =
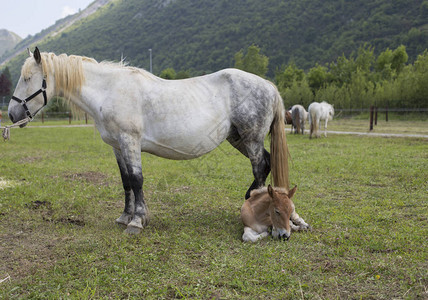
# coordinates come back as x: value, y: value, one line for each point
x: 17, y: 114
x: 281, y: 234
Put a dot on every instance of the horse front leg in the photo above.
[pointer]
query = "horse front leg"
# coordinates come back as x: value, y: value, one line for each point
x: 325, y: 127
x: 128, y: 211
x: 131, y: 154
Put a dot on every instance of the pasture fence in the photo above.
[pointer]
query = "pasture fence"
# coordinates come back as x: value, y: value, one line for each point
x: 373, y: 113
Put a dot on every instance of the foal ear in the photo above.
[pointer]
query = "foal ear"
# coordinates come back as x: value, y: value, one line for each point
x: 270, y: 190
x: 37, y: 56
x: 29, y: 52
x: 292, y: 192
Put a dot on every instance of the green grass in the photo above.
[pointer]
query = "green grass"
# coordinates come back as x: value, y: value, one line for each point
x: 365, y: 197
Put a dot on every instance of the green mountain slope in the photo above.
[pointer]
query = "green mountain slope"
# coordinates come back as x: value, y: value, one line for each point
x: 203, y: 36
x: 8, y: 40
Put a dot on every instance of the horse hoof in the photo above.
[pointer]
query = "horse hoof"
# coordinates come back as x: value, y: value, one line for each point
x: 124, y: 220
x: 120, y: 222
x: 133, y: 230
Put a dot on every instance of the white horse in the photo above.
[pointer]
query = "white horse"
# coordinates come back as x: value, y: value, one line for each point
x: 135, y: 111
x: 299, y: 116
x: 317, y: 112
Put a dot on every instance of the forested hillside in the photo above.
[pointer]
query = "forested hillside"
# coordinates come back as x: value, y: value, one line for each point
x: 204, y: 35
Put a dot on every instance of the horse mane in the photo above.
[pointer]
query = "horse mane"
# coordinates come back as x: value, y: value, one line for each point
x: 263, y: 190
x: 68, y: 73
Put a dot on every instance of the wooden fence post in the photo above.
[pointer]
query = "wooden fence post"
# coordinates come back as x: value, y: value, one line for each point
x: 386, y: 113
x: 375, y: 118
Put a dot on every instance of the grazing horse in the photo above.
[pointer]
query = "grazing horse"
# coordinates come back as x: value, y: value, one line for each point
x: 317, y: 112
x: 299, y: 116
x: 288, y: 118
x: 270, y: 207
x: 135, y: 112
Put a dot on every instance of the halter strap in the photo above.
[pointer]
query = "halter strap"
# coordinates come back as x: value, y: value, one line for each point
x: 24, y: 102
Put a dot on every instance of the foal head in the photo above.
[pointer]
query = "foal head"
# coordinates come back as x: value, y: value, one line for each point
x: 280, y: 210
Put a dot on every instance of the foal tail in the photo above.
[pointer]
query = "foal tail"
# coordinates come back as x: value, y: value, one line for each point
x: 278, y: 147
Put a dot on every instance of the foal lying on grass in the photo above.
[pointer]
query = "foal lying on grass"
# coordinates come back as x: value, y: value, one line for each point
x: 270, y: 207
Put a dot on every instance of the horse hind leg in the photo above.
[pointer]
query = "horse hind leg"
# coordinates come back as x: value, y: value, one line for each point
x: 260, y: 162
x: 261, y: 170
x: 325, y: 127
x: 259, y: 157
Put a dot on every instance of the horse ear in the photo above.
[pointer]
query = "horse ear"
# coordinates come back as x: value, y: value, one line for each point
x: 270, y: 190
x: 292, y: 192
x: 29, y: 52
x: 37, y: 56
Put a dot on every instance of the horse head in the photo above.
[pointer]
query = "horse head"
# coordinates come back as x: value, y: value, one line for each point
x: 280, y: 210
x: 331, y: 112
x: 31, y: 86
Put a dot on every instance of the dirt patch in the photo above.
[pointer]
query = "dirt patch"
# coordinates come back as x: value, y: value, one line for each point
x: 44, y: 208
x: 91, y: 177
x: 71, y: 220
x: 25, y: 252
x: 38, y: 204
x: 29, y: 159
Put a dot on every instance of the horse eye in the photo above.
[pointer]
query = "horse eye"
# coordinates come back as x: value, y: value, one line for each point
x: 277, y: 211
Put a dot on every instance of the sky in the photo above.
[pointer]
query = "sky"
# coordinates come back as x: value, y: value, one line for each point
x: 28, y: 17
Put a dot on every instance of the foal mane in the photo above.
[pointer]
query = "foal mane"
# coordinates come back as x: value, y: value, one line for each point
x: 263, y: 190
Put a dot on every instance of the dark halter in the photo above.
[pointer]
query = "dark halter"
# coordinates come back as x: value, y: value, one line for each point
x: 24, y: 102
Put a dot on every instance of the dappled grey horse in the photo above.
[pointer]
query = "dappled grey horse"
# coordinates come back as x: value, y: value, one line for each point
x: 135, y: 111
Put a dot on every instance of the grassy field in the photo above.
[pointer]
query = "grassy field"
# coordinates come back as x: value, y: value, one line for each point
x: 365, y: 197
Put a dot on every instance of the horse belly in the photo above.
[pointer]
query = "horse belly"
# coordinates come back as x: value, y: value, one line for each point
x: 187, y: 140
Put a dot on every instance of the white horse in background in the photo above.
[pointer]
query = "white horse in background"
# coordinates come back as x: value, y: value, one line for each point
x: 299, y: 116
x: 317, y: 112
x: 135, y: 112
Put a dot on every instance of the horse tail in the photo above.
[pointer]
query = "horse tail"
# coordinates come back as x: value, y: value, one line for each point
x: 278, y: 147
x: 298, y: 121
x: 312, y: 121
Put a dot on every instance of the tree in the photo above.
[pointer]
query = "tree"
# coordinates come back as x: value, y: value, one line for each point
x: 291, y: 73
x: 182, y: 75
x: 317, y: 77
x: 365, y: 58
x: 168, y: 73
x: 399, y: 58
x: 253, y: 61
x: 5, y: 83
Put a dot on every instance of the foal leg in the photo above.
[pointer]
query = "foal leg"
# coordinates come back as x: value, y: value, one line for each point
x: 251, y: 235
x: 297, y: 223
x: 128, y: 212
